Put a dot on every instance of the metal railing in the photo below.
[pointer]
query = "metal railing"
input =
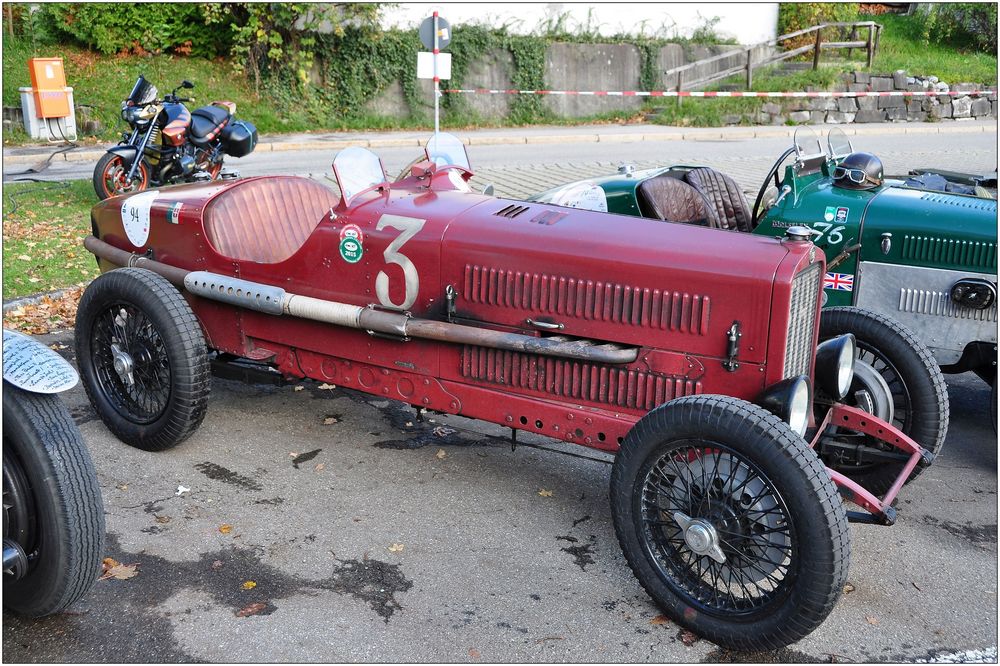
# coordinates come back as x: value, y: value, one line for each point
x: 682, y: 74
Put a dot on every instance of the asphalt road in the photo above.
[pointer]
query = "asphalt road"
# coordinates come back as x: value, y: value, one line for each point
x: 394, y: 542
x: 522, y: 169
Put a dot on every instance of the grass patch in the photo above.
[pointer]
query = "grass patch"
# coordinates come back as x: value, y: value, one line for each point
x: 44, y: 225
x: 902, y: 47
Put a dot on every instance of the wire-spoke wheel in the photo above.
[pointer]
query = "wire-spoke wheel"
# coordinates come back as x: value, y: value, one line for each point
x: 730, y: 522
x: 896, y: 379
x: 142, y: 358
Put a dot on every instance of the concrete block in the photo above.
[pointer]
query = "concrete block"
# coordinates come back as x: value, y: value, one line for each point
x: 847, y: 104
x: 823, y: 104
x: 732, y: 119
x: 993, y: 107
x: 941, y: 111
x: 961, y: 107
x: 858, y: 87
x: 881, y: 83
x: 771, y: 107
x: 870, y: 116
x: 493, y: 71
x: 981, y: 107
x: 896, y: 113
x: 889, y: 102
x: 799, y: 116
x: 817, y: 117
x: 671, y: 55
x: 778, y: 119
x: 867, y: 103
x: 390, y: 103
x: 916, y: 115
x: 591, y: 67
x: 862, y: 77
x: 933, y: 79
x: 899, y: 79
x: 839, y: 117
x: 762, y: 118
x: 965, y: 87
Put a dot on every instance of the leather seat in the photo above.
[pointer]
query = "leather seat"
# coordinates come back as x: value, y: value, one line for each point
x: 266, y: 220
x: 671, y: 199
x: 726, y: 197
x: 207, y: 122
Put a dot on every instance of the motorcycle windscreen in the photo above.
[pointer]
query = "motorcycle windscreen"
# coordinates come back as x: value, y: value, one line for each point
x: 358, y: 170
x: 143, y: 92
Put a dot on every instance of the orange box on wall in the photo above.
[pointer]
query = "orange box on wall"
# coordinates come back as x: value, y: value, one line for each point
x: 48, y: 81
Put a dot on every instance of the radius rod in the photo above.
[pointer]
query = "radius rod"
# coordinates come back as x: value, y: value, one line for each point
x: 276, y: 301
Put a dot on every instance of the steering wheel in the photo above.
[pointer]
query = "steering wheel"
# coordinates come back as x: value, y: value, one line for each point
x: 773, y: 173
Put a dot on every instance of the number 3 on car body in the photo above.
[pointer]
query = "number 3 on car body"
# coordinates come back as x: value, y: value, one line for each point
x: 410, y: 227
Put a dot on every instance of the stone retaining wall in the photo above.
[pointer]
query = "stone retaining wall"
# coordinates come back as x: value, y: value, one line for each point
x: 878, y: 109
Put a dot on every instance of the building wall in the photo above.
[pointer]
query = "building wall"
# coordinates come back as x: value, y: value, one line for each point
x: 747, y: 23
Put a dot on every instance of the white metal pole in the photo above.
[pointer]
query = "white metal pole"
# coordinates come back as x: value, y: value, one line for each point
x: 437, y: 80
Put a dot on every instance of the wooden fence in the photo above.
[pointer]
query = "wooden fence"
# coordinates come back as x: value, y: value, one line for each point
x: 683, y: 74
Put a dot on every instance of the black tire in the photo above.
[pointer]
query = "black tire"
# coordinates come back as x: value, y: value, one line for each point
x: 993, y: 404
x: 163, y: 400
x: 688, y: 433
x: 52, y: 504
x: 920, y: 396
x: 107, y: 182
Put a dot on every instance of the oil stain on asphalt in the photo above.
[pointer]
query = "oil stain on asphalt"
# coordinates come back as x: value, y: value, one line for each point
x: 120, y: 622
x: 220, y: 473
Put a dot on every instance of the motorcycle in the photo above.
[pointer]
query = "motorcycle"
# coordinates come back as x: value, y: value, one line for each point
x: 168, y: 144
x: 53, y: 515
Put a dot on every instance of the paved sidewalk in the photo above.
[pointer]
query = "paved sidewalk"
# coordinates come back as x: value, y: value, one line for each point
x: 528, y: 135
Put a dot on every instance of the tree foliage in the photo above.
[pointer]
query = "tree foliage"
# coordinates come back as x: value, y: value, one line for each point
x: 962, y: 24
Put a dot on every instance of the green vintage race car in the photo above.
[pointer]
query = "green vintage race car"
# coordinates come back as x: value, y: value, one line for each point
x: 914, y: 259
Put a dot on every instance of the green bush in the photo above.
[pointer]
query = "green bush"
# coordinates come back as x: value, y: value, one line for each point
x: 793, y: 16
x: 116, y: 27
x: 962, y: 24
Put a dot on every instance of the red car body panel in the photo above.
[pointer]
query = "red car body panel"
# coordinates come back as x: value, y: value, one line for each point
x: 672, y: 291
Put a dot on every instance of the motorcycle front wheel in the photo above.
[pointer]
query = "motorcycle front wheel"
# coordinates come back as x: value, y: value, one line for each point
x: 52, y: 507
x: 110, y: 177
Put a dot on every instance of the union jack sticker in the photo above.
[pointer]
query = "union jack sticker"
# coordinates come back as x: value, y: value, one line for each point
x: 839, y: 281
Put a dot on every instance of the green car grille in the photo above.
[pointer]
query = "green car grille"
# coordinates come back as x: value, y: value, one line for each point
x: 802, y: 322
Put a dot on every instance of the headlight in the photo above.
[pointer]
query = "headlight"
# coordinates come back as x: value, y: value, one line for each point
x: 790, y: 401
x: 835, y: 365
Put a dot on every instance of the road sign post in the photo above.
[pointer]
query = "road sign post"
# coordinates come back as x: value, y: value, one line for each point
x: 435, y: 34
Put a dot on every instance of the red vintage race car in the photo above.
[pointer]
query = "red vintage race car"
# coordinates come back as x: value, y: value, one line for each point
x: 689, y: 352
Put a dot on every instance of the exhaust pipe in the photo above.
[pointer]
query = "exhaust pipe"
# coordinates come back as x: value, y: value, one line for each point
x: 276, y: 301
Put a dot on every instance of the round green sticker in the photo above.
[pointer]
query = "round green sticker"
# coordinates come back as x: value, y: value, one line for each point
x: 351, y: 250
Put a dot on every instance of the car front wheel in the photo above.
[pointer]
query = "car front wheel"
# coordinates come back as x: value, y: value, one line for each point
x: 730, y: 522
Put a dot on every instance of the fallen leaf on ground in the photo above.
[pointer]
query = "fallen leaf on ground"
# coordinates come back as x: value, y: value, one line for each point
x: 320, y: 467
x: 919, y: 589
x: 848, y: 588
x: 409, y: 424
x: 119, y: 571
x: 107, y: 563
x: 396, y: 548
x: 441, y: 454
x: 47, y: 315
x: 330, y: 420
x: 872, y: 620
x: 326, y: 387
x: 162, y: 519
x: 688, y: 638
x: 122, y: 486
x: 299, y: 388
x: 474, y: 653
x: 660, y: 619
x: 182, y: 489
x: 545, y: 493
x: 252, y: 609
x: 217, y: 564
x: 249, y: 585
x: 24, y: 257
x: 441, y: 431
x: 226, y: 528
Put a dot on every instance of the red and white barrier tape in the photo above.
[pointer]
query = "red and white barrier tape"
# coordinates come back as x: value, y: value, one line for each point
x: 700, y: 93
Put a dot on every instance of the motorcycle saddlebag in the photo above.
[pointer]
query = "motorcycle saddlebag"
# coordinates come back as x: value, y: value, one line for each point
x: 239, y: 138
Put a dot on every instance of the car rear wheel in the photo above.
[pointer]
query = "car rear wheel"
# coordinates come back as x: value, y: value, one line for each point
x: 890, y: 357
x: 52, y: 510
x: 143, y: 358
x: 730, y: 522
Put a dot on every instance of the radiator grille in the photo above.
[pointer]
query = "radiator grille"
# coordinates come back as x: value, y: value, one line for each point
x: 576, y: 380
x: 929, y: 302
x: 802, y: 322
x: 588, y: 299
x: 946, y: 250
